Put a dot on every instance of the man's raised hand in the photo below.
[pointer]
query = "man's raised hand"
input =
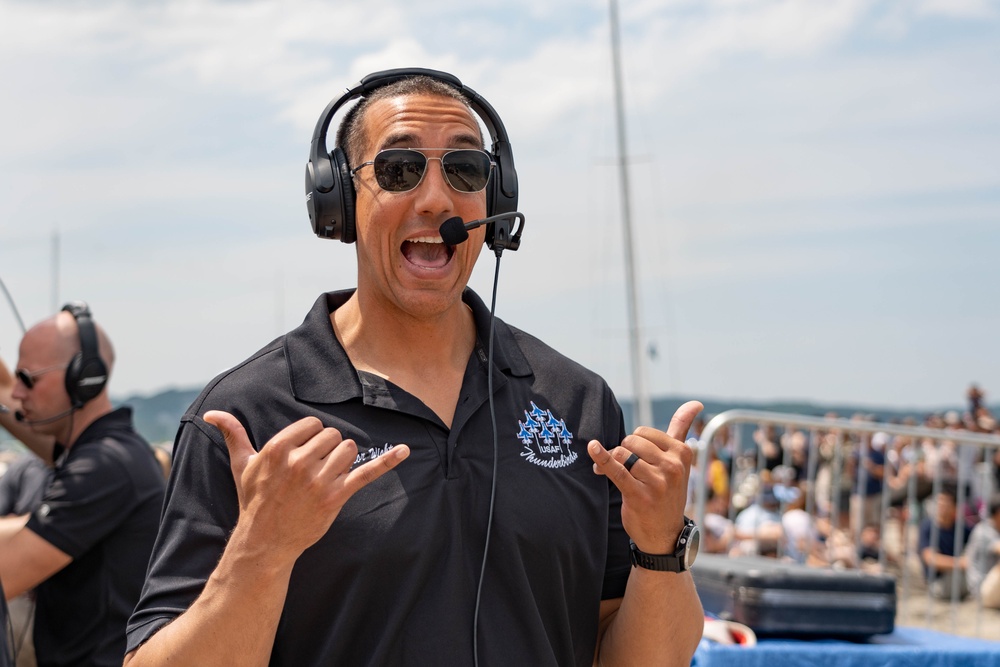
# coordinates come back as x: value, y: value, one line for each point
x: 295, y: 486
x: 654, y: 485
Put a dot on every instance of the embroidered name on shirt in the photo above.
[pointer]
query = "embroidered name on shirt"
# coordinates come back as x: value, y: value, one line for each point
x: 546, y: 439
x: 371, y: 454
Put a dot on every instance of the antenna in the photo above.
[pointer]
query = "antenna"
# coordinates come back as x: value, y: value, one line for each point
x: 55, y: 271
x: 643, y: 409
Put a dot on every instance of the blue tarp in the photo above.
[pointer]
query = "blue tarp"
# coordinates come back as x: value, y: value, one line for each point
x: 906, y: 647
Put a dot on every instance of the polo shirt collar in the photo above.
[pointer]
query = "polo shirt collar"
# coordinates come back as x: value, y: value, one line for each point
x: 507, y: 355
x: 318, y: 367
x: 321, y: 372
x: 118, y: 419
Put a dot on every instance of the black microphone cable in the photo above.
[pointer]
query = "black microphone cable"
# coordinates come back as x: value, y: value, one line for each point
x: 453, y: 232
x: 496, y: 450
x: 20, y: 416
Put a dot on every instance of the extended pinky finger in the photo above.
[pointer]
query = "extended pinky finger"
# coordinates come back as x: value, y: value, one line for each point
x: 367, y: 473
x: 598, y: 455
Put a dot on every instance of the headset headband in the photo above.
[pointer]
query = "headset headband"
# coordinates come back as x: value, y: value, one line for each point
x: 329, y: 190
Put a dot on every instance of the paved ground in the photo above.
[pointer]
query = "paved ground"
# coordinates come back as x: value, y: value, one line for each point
x: 966, y: 618
x: 916, y: 609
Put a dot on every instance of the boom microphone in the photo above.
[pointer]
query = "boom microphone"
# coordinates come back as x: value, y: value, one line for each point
x: 453, y: 231
x: 19, y: 416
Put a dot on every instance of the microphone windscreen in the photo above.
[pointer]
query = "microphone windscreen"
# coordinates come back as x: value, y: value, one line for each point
x: 19, y: 416
x: 453, y: 231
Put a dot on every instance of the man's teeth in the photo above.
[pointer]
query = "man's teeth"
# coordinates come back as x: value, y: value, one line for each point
x: 426, y: 239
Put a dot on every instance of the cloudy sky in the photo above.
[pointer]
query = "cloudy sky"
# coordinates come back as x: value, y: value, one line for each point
x: 815, y: 184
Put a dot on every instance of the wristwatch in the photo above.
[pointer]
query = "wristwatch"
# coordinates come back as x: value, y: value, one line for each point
x: 680, y: 561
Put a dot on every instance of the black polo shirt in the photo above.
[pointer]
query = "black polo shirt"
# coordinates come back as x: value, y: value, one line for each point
x: 394, y: 580
x: 102, y: 507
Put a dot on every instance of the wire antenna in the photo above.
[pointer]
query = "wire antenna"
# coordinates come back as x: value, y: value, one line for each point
x: 13, y: 307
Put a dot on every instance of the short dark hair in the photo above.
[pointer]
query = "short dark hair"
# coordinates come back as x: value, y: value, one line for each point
x: 950, y: 489
x: 994, y: 504
x: 351, y: 135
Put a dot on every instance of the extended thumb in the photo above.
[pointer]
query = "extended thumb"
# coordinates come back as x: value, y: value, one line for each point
x: 237, y: 440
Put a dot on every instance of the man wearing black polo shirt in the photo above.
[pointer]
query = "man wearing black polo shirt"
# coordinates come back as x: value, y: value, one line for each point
x: 331, y: 496
x: 85, y: 548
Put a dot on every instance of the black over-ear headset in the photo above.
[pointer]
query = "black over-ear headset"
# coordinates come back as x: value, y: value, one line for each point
x: 330, y: 188
x: 86, y: 374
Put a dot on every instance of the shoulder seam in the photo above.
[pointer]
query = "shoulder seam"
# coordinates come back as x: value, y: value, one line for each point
x: 275, y: 346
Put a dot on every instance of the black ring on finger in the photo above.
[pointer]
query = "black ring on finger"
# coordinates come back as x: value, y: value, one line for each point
x: 630, y: 461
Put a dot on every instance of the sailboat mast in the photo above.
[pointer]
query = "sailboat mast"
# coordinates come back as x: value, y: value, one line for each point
x: 643, y: 409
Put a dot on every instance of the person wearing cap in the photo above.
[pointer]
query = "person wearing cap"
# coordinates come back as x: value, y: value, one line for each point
x: 85, y: 547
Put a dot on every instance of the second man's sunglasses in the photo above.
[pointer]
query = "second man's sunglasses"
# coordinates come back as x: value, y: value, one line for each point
x: 28, y: 378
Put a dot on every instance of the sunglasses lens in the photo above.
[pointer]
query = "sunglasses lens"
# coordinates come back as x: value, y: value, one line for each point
x: 467, y: 170
x: 24, y: 378
x: 399, y: 169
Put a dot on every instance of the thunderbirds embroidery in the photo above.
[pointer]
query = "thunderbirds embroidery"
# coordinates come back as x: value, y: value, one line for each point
x: 546, y: 439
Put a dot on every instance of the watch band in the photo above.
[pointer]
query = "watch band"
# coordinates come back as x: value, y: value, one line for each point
x: 679, y: 561
x: 658, y: 562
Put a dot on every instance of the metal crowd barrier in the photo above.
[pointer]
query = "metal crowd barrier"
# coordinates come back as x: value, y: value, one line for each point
x: 973, y: 451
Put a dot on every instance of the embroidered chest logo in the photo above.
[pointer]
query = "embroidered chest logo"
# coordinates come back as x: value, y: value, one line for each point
x: 371, y: 454
x: 546, y: 439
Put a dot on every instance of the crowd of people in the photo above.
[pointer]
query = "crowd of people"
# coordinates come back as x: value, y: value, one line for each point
x: 827, y: 498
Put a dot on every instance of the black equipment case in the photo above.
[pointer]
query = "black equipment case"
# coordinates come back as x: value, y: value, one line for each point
x: 776, y: 598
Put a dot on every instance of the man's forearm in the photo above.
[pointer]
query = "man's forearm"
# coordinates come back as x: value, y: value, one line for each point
x: 659, y: 622
x: 235, y: 618
x: 941, y: 562
x: 11, y: 526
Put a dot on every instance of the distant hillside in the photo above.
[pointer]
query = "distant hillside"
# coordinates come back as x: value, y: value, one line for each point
x: 158, y: 416
x: 664, y: 407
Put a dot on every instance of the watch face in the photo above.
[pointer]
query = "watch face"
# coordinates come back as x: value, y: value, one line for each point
x: 694, y: 541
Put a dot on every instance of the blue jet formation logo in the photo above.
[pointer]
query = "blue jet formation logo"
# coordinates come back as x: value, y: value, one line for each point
x: 546, y: 439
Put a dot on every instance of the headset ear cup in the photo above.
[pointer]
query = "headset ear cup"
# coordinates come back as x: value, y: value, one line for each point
x: 344, y: 184
x: 497, y: 202
x: 86, y: 374
x: 85, y: 380
x: 323, y: 198
x: 313, y: 197
x: 73, y: 379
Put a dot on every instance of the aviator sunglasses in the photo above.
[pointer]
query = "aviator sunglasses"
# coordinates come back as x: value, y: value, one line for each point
x: 28, y: 378
x: 402, y: 169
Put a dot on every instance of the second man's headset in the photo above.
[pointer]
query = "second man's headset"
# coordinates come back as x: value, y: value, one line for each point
x: 87, y: 373
x: 330, y: 188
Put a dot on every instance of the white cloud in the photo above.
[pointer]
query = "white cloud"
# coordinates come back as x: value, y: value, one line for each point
x: 959, y: 8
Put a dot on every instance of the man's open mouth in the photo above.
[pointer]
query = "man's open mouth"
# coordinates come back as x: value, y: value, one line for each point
x: 428, y: 252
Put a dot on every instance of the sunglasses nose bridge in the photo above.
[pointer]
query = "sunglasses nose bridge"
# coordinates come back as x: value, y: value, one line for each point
x: 24, y: 379
x: 445, y: 180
